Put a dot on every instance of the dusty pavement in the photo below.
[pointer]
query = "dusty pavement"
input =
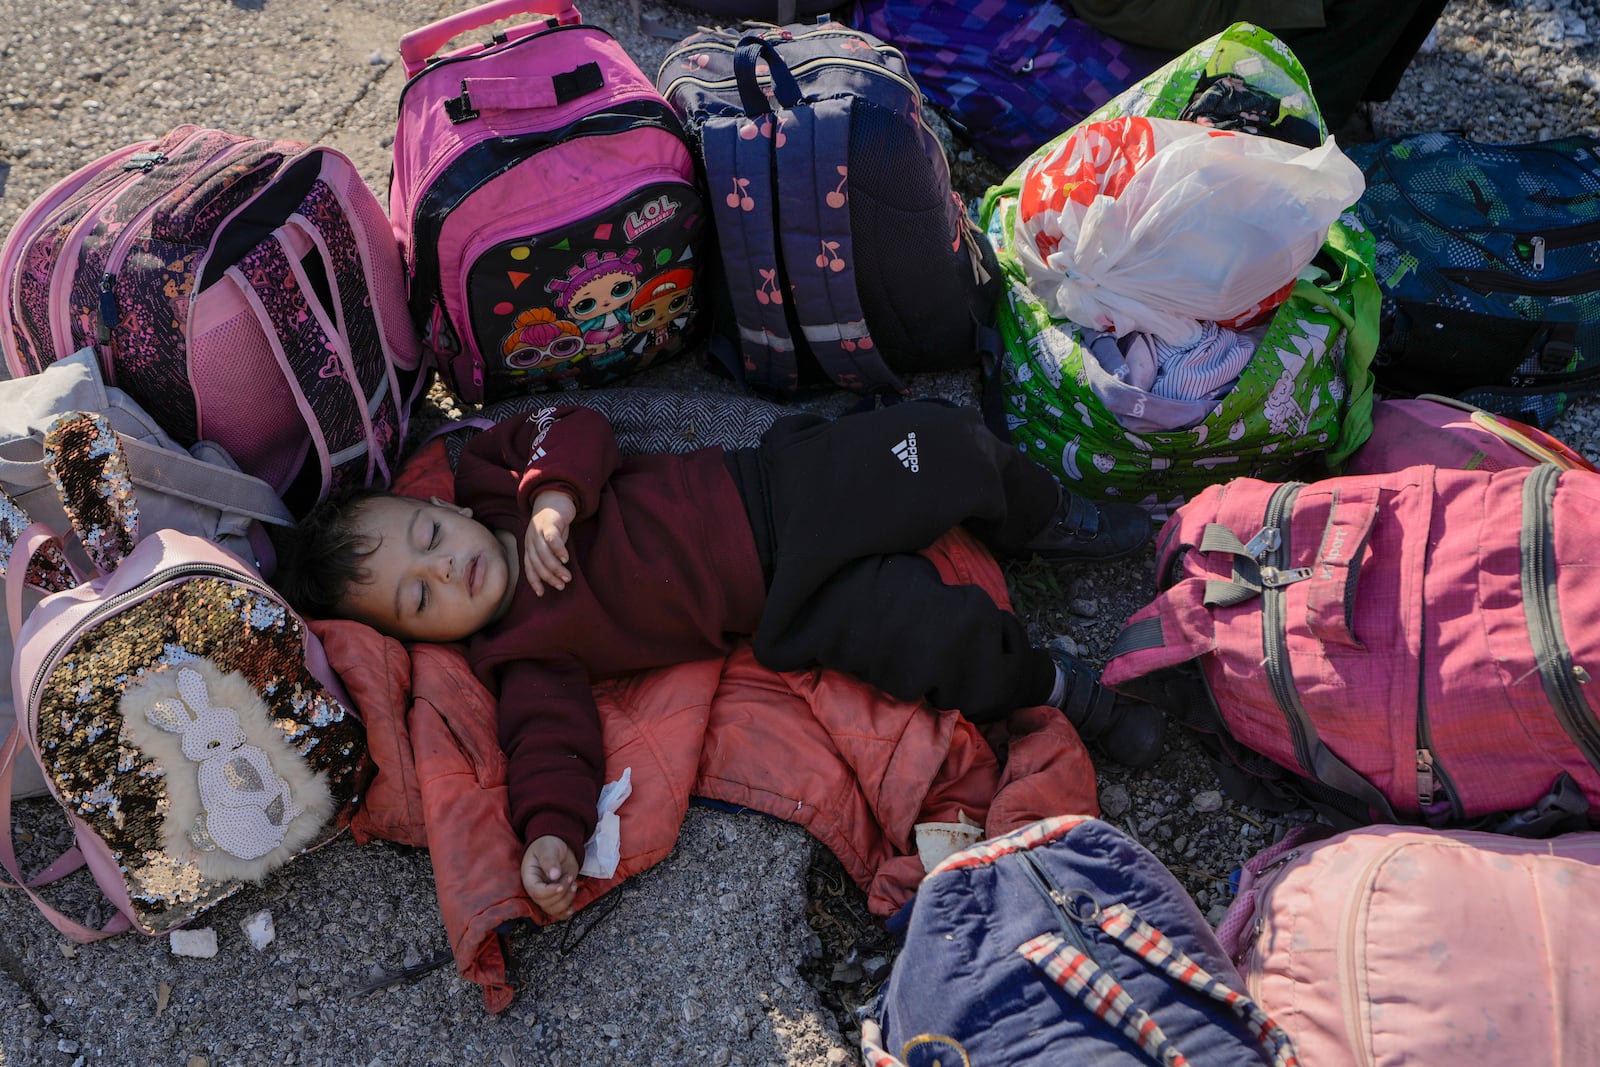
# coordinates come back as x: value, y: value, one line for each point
x: 700, y: 960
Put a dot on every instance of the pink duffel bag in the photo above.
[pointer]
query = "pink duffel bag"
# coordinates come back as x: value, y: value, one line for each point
x: 1429, y: 948
x: 1409, y: 647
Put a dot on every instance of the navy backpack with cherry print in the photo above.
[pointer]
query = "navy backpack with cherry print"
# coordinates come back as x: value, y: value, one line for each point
x: 847, y: 258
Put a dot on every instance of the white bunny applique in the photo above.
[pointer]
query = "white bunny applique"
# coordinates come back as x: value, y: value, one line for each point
x: 244, y: 806
x: 240, y: 801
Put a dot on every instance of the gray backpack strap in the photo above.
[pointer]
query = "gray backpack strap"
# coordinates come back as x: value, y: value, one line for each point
x: 177, y: 474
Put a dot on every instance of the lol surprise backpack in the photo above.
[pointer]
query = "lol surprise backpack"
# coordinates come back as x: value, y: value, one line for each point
x: 545, y: 203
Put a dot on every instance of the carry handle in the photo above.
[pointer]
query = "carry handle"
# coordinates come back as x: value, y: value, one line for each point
x: 529, y: 93
x: 754, y: 47
x: 1336, y: 570
x: 419, y: 46
x: 1082, y: 977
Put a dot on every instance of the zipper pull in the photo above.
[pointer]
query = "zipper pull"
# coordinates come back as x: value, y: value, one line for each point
x: 1427, y: 780
x: 145, y: 161
x: 1276, y: 577
x: 108, y: 309
x: 1538, y: 252
x: 1266, y: 541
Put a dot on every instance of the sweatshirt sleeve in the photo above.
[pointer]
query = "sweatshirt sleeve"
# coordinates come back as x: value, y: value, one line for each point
x: 569, y: 448
x: 555, y: 756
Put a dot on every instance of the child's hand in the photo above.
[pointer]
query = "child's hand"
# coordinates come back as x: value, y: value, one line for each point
x: 550, y: 875
x: 544, y: 553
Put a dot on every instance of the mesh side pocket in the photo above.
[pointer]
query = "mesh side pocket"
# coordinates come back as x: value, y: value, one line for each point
x: 913, y: 268
x: 381, y: 251
x: 244, y: 403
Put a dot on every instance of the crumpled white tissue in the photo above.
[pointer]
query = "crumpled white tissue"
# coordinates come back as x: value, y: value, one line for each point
x: 603, y: 851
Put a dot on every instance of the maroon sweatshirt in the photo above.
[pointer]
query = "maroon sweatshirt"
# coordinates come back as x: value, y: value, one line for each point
x: 664, y: 571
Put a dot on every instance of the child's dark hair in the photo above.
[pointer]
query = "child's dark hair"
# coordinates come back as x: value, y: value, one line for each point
x: 323, y: 554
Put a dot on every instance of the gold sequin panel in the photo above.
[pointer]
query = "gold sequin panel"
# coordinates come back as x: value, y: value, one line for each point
x: 120, y: 793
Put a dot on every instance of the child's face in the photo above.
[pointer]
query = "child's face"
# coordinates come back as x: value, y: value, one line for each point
x: 437, y: 573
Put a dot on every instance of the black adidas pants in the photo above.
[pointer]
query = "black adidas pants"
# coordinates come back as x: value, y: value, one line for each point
x: 840, y: 509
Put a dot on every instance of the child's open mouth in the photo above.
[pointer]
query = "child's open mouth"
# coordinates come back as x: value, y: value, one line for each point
x: 474, y: 575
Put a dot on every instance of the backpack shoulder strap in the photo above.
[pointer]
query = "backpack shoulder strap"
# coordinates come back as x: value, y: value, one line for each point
x: 738, y: 163
x: 811, y: 153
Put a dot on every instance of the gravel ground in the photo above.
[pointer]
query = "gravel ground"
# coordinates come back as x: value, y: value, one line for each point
x: 709, y: 957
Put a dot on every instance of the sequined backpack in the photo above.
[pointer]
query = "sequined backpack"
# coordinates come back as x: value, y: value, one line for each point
x: 183, y: 716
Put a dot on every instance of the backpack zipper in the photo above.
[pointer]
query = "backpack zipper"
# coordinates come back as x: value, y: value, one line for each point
x: 831, y: 29
x: 1529, y: 244
x: 109, y: 314
x: 1274, y: 612
x: 1560, y: 675
x: 1488, y: 283
x: 113, y: 604
x: 490, y: 159
x: 1060, y: 901
x: 799, y: 69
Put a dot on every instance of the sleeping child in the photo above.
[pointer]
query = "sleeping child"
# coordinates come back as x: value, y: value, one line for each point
x: 562, y: 562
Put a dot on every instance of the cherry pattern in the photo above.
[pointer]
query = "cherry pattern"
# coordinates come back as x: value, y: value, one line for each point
x: 836, y: 197
x: 829, y: 257
x: 769, y: 293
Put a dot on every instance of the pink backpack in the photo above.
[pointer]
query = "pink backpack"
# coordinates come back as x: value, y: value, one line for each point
x: 1444, y: 432
x: 244, y: 292
x: 1402, y: 647
x: 183, y: 716
x: 1391, y: 945
x: 545, y: 203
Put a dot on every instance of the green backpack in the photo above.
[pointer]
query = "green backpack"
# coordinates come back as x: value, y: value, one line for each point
x: 1305, y: 395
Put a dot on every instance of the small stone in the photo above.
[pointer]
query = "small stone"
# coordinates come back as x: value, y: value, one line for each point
x: 200, y: 944
x: 259, y: 929
x: 67, y: 1046
x: 1208, y: 801
x: 692, y: 1009
x: 1084, y: 607
x: 847, y: 973
x: 1114, y: 801
x: 376, y: 58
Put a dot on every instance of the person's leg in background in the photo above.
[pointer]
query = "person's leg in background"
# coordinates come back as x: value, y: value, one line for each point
x: 1361, y: 52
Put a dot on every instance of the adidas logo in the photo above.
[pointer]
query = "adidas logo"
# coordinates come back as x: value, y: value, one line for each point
x: 906, y: 453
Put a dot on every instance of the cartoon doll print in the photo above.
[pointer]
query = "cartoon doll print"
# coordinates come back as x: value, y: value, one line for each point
x: 661, y: 306
x: 537, y: 336
x: 595, y: 294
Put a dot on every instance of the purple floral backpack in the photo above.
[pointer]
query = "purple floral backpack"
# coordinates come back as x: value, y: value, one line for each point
x: 243, y: 291
x: 1009, y: 74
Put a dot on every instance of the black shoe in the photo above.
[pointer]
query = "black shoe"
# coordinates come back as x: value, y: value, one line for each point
x: 1128, y: 731
x: 1081, y: 530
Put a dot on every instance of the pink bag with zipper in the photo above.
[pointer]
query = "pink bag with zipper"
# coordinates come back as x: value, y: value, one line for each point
x: 184, y: 718
x: 545, y: 203
x: 1390, y: 945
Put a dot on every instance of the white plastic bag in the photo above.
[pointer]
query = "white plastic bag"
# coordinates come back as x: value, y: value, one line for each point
x: 1150, y: 225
